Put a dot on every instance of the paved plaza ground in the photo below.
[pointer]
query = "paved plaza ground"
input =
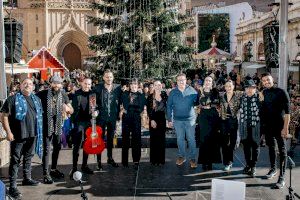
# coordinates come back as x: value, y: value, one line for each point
x: 153, y: 182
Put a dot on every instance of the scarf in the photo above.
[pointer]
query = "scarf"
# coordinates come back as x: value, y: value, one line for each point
x: 58, y: 113
x: 253, y: 116
x: 21, y: 110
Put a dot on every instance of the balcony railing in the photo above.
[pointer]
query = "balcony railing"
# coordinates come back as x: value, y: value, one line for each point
x: 62, y: 4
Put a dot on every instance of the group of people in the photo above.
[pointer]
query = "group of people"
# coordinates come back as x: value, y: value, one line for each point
x: 34, y: 121
x: 220, y: 116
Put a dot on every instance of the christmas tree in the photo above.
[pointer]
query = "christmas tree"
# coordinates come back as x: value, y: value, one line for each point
x: 140, y: 38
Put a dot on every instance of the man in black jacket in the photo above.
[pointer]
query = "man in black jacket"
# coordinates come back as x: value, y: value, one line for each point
x: 108, y: 101
x: 82, y: 120
x: 275, y: 124
x: 55, y: 103
x: 133, y: 103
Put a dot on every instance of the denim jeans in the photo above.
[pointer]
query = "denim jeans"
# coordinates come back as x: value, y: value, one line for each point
x: 186, y: 129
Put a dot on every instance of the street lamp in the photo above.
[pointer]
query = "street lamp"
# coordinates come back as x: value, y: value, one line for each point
x: 298, y: 57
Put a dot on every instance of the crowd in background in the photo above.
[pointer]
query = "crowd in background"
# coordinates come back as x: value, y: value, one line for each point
x: 195, y: 78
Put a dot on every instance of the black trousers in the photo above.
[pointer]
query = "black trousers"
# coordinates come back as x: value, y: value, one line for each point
x: 19, y: 148
x: 110, y: 127
x: 56, y: 142
x: 251, y: 149
x: 157, y: 141
x: 77, y: 139
x: 229, y: 133
x: 131, y: 123
x: 272, y: 136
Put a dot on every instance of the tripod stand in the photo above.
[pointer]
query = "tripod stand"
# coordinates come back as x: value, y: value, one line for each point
x: 292, y: 195
x: 83, y: 194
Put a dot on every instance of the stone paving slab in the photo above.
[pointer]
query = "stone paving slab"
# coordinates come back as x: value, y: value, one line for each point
x: 153, y: 182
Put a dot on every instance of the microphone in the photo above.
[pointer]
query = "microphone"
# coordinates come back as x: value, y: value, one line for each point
x: 291, y: 162
x: 77, y: 176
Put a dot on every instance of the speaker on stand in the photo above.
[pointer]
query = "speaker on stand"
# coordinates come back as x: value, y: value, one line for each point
x: 13, y: 40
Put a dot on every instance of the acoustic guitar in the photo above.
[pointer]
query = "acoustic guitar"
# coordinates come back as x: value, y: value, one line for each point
x: 94, y: 143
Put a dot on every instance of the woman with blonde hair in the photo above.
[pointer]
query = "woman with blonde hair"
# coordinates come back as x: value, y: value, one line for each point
x: 209, y: 122
x: 230, y: 103
x: 156, y: 108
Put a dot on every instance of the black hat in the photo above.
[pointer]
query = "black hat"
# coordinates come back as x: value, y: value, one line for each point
x: 249, y: 83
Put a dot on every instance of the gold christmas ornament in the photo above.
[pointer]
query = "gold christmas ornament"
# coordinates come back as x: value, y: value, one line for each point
x: 146, y: 36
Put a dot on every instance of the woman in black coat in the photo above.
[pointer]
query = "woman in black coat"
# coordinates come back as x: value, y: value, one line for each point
x: 209, y: 123
x: 156, y: 108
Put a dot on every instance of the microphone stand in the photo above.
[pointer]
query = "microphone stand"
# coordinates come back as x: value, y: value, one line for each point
x: 77, y: 177
x: 292, y: 195
x: 83, y: 194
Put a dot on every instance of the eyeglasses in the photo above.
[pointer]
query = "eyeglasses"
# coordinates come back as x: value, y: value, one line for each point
x: 181, y: 80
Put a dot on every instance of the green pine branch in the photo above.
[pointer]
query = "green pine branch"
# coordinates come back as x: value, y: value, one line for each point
x: 124, y: 48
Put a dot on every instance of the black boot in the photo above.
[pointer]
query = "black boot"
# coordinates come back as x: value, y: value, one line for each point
x: 87, y: 170
x: 111, y: 162
x: 280, y: 183
x: 209, y: 166
x: 47, y: 179
x: 125, y: 165
x: 252, y: 172
x: 30, y: 182
x: 136, y: 165
x: 71, y: 173
x: 56, y: 174
x: 99, y: 167
x: 14, y: 193
x: 246, y: 170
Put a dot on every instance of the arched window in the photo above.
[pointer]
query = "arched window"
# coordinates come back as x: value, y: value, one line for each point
x: 245, y: 53
x: 261, y: 52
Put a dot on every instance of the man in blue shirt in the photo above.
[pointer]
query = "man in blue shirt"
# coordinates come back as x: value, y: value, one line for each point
x: 181, y: 114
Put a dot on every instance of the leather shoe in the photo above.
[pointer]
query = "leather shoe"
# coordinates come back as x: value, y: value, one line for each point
x: 30, y: 182
x: 87, y: 170
x: 136, y: 166
x: 280, y: 183
x: 111, y: 162
x: 71, y: 174
x: 56, y: 174
x: 14, y: 193
x: 99, y: 167
x: 47, y: 179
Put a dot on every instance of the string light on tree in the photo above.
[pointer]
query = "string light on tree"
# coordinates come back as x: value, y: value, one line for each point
x: 143, y: 35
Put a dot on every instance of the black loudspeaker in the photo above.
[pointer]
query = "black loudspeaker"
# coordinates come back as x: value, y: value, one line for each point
x: 13, y: 40
x: 271, y: 44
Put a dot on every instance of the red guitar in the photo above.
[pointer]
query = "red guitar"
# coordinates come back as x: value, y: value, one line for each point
x: 93, y: 143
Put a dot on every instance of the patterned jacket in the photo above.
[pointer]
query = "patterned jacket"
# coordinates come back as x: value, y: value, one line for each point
x: 234, y: 104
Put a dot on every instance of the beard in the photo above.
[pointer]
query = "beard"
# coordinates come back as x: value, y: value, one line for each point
x: 54, y: 91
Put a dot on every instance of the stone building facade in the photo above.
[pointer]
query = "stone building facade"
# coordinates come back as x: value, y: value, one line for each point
x: 60, y: 25
x: 252, y: 30
x: 234, y: 7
